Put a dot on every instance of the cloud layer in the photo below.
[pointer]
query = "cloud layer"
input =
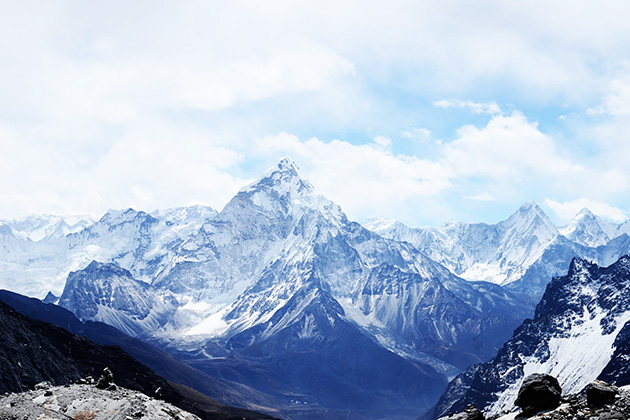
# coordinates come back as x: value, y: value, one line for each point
x: 421, y: 111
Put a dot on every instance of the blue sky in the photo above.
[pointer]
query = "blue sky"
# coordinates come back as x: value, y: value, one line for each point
x: 414, y: 110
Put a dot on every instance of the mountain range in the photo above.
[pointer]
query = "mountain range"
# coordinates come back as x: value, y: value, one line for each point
x: 281, y: 293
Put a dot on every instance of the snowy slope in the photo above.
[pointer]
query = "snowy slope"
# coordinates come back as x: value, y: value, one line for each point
x: 107, y: 293
x: 280, y: 274
x: 589, y: 230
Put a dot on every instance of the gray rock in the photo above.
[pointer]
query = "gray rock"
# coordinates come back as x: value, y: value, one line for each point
x: 106, y: 380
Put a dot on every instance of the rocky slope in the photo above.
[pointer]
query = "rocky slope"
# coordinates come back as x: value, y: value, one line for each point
x: 279, y: 276
x: 162, y: 363
x: 86, y: 402
x: 540, y: 398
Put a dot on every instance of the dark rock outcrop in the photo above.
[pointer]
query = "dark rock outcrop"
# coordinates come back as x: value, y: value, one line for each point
x: 106, y: 381
x: 539, y: 392
x: 578, y: 406
x: 568, y: 302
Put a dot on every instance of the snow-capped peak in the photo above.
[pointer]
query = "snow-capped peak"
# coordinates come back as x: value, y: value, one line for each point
x: 588, y: 229
x: 378, y: 224
x: 530, y: 211
x: 529, y: 220
x: 585, y: 212
x: 121, y: 216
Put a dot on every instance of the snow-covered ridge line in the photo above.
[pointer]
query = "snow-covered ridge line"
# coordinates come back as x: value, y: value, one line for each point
x: 506, y: 252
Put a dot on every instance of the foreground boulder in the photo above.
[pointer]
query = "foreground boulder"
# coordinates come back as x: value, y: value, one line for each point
x: 599, y: 394
x: 539, y: 392
x: 106, y: 381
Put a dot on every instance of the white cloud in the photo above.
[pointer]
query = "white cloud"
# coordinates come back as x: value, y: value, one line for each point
x: 490, y: 108
x: 481, y: 197
x: 567, y: 210
x: 510, y: 156
x: 383, y: 142
x: 149, y: 167
x: 508, y: 147
x: 150, y: 104
x: 617, y: 102
x: 418, y: 134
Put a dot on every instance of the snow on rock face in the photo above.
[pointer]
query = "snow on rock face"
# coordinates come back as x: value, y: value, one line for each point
x: 141, y: 243
x: 270, y: 272
x: 571, y: 337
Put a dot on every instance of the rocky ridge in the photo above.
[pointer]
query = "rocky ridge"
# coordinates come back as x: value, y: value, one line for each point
x: 578, y: 334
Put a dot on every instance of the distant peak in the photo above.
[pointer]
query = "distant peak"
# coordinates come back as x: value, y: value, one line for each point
x: 94, y: 265
x: 379, y: 224
x: 99, y: 269
x: 528, y: 210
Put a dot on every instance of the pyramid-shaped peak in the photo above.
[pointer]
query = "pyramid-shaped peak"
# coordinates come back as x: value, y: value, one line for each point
x: 532, y: 219
x: 99, y: 267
